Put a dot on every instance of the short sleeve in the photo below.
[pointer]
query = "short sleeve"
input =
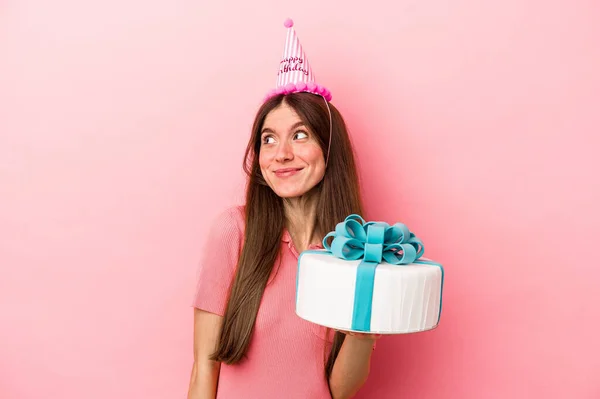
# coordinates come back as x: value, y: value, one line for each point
x: 218, y: 261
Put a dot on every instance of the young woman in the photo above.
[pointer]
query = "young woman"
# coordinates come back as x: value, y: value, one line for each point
x: 248, y: 341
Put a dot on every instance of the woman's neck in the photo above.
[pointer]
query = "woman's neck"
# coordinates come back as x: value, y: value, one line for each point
x: 300, y: 215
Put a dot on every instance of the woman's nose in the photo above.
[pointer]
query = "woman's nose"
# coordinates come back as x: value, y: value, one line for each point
x: 284, y: 152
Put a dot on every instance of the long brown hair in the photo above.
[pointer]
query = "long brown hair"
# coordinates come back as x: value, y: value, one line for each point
x: 339, y: 196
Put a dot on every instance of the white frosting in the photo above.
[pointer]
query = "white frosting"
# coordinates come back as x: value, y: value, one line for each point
x: 406, y: 298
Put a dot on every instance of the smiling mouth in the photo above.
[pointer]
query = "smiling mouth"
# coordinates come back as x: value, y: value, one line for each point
x: 287, y: 172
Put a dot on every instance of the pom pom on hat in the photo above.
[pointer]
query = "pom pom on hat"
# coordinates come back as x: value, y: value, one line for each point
x: 290, y: 88
x: 288, y: 23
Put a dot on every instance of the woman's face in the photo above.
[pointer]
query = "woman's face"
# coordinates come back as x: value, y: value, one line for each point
x: 291, y: 160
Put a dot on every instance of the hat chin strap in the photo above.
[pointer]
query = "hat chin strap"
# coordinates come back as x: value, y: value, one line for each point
x: 330, y: 130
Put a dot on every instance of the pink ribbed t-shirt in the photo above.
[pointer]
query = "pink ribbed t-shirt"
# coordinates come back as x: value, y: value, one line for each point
x: 285, y: 358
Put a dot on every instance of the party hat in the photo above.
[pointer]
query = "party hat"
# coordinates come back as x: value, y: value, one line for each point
x: 295, y: 74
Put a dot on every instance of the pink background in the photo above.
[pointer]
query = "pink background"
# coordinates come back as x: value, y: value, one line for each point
x: 122, y: 130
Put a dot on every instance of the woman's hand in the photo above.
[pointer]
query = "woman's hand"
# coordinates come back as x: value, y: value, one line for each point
x: 351, y: 368
x: 361, y: 336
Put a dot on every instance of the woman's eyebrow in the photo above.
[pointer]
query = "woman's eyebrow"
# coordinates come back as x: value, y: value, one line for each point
x: 297, y: 125
x: 294, y: 126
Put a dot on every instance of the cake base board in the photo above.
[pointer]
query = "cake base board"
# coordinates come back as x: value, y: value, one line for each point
x: 370, y: 332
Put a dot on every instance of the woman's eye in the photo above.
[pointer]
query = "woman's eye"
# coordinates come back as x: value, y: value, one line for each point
x: 301, y: 135
x: 268, y: 140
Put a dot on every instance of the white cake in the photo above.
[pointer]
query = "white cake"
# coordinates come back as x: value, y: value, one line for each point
x: 405, y: 298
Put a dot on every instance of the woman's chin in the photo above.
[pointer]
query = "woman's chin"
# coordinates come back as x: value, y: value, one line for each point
x: 290, y: 192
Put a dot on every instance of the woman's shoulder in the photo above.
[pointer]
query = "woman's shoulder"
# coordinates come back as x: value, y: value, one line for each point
x: 229, y: 220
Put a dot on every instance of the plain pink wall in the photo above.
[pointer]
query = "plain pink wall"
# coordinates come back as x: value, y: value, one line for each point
x: 122, y: 130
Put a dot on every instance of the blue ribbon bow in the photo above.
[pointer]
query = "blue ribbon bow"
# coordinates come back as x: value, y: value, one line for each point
x: 355, y: 239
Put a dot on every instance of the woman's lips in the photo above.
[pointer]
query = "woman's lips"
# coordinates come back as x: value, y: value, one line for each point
x: 287, y: 172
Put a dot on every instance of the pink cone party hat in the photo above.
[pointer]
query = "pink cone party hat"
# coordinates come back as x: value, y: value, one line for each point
x: 294, y: 74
